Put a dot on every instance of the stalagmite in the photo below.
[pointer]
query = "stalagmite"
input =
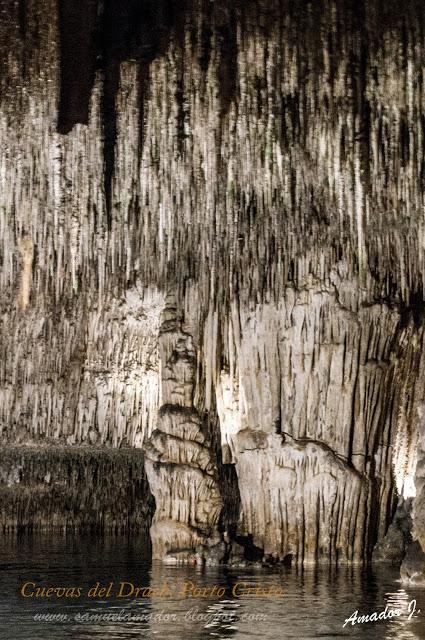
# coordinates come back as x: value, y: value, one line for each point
x: 180, y: 467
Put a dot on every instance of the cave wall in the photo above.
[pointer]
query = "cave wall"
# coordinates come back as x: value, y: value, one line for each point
x: 73, y: 488
x: 264, y: 162
x: 311, y: 413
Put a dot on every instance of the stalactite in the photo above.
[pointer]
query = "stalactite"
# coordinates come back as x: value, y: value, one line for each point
x: 76, y: 488
x: 26, y: 249
x: 291, y: 98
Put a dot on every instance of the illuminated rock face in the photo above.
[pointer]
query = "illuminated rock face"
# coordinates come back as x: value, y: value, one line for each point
x: 263, y: 161
x: 180, y: 462
x: 305, y: 412
x: 413, y: 566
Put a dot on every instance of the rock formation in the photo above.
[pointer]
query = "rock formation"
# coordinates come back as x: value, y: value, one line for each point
x: 78, y: 488
x: 263, y: 164
x: 180, y: 465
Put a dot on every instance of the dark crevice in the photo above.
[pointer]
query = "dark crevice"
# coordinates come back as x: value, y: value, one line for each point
x: 414, y: 310
x: 77, y: 30
x: 252, y: 552
x: 226, y: 36
x: 22, y: 18
x: 206, y: 35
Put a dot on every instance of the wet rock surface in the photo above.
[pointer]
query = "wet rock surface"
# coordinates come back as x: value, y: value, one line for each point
x: 392, y: 548
x: 413, y: 566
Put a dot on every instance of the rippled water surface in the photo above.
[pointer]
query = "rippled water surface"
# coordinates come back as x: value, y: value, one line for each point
x: 189, y: 603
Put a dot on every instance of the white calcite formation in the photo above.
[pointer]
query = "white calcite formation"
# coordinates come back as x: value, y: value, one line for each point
x: 263, y: 162
x: 180, y: 462
x: 85, y: 376
x: 310, y: 408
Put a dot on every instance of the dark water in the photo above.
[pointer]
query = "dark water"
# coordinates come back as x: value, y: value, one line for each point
x: 314, y: 604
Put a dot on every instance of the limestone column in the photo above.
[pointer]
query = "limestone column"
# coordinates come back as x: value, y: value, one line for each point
x: 180, y: 465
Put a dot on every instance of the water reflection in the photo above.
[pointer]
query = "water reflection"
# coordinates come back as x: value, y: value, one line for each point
x: 314, y: 604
